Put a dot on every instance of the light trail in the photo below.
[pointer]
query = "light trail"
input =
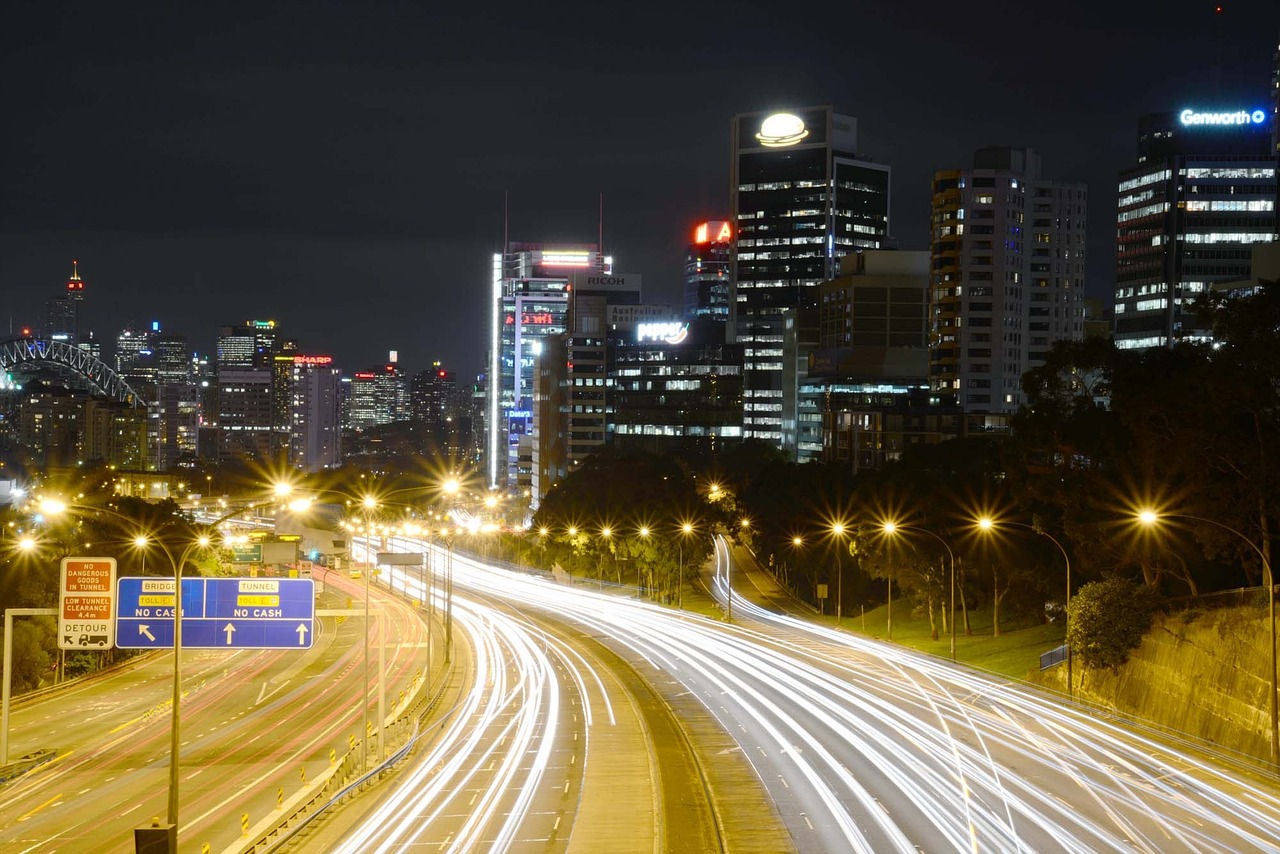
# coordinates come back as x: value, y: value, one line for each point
x: 863, y: 746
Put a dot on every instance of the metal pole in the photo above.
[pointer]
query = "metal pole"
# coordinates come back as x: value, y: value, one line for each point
x: 175, y: 739
x: 839, y: 585
x: 680, y: 581
x: 890, y: 609
x: 382, y: 687
x: 953, y: 602
x: 728, y: 583
x: 364, y: 698
x: 448, y: 607
x: 8, y: 675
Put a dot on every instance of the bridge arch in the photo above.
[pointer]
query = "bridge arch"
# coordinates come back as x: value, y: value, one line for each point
x: 102, y: 378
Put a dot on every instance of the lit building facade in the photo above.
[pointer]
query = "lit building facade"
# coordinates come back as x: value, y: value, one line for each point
x: 1201, y: 195
x: 677, y: 386
x: 800, y: 199
x: 1007, y: 276
x: 315, y: 433
x: 707, y: 271
x: 379, y: 396
x: 529, y: 303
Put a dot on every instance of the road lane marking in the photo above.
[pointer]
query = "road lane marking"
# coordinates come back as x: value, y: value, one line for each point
x: 28, y: 815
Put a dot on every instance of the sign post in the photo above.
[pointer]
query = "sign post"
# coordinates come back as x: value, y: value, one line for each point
x: 86, y: 603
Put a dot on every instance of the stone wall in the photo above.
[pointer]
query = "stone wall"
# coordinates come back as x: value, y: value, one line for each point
x: 1200, y: 673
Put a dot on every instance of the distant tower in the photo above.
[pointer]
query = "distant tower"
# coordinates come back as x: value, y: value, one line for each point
x: 62, y: 313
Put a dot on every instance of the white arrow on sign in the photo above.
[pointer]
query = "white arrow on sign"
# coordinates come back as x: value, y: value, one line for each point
x: 230, y: 630
x: 302, y: 634
x: 142, y: 630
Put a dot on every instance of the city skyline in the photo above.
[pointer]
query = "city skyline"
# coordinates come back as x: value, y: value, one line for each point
x: 343, y: 171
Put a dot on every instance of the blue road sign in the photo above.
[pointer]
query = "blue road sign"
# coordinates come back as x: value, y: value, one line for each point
x: 217, y: 613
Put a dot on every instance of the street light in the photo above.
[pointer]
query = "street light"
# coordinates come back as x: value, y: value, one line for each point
x: 605, y: 533
x: 686, y: 529
x: 1150, y: 518
x: 744, y: 525
x: 837, y: 531
x: 988, y: 524
x: 892, y: 528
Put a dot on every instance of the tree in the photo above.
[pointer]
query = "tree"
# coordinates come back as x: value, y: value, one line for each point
x: 1107, y: 620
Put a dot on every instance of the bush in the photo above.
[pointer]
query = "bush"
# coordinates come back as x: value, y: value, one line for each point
x: 1108, y: 619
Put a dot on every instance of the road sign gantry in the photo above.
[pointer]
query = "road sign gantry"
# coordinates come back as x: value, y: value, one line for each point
x: 217, y: 613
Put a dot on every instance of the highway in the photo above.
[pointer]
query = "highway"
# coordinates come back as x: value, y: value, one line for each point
x: 254, y: 722
x: 559, y: 747
x: 865, y: 747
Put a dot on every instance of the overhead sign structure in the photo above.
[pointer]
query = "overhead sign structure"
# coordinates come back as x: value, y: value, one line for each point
x: 217, y: 613
x: 86, y: 603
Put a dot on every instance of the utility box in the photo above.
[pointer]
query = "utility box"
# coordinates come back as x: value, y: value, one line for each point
x: 157, y: 838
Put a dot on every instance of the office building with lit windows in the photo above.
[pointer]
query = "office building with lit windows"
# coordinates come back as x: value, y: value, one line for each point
x: 1007, y: 252
x: 529, y: 302
x: 1201, y: 195
x: 800, y: 198
x: 707, y: 271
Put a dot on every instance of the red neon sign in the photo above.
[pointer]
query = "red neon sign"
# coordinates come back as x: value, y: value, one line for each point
x: 538, y: 318
x: 313, y: 360
x: 723, y: 232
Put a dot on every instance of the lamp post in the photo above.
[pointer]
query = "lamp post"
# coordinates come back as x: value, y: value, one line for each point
x: 54, y: 507
x: 988, y: 524
x: 837, y: 531
x: 686, y: 528
x: 605, y: 534
x: 744, y: 525
x: 892, y: 528
x: 1151, y: 518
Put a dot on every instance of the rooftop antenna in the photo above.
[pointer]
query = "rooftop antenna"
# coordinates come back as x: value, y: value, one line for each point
x: 600, y: 236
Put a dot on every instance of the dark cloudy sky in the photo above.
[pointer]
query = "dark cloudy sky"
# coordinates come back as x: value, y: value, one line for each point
x: 340, y: 167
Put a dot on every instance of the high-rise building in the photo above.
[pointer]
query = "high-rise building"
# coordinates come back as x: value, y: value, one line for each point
x: 529, y: 300
x: 378, y: 396
x: 1007, y: 276
x: 801, y: 197
x: 62, y: 313
x: 316, y: 413
x: 251, y: 420
x: 707, y: 269
x: 249, y: 346
x: 1202, y: 193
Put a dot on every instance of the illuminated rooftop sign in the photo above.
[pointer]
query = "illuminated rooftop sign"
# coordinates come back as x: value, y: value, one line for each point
x: 565, y: 258
x: 780, y: 130
x: 713, y: 232
x: 672, y: 332
x: 1233, y: 118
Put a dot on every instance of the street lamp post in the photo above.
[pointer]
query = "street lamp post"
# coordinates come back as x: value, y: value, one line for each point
x: 686, y: 528
x: 988, y: 524
x: 1152, y: 517
x: 893, y: 528
x: 837, y: 530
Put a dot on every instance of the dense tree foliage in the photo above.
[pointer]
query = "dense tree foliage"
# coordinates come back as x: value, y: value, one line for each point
x: 1108, y: 619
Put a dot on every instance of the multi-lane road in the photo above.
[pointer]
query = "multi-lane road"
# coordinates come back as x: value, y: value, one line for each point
x: 590, y: 721
x: 255, y: 725
x: 862, y: 746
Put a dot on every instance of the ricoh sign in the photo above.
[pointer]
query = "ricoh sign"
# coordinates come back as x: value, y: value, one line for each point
x: 584, y: 281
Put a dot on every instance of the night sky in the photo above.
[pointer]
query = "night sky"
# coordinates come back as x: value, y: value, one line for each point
x: 340, y: 167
